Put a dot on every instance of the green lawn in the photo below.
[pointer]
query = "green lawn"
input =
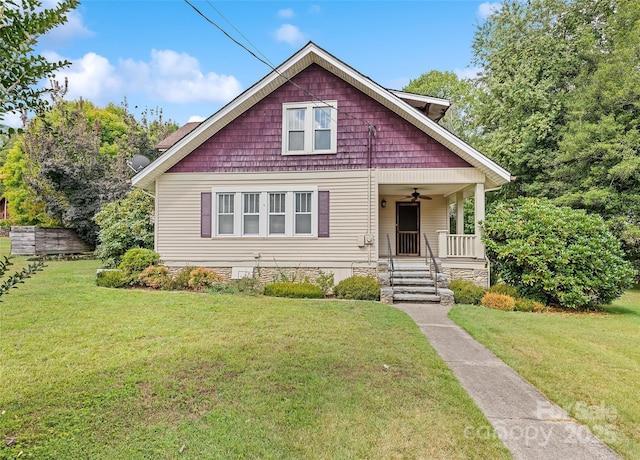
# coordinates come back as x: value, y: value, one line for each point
x: 587, y: 363
x: 96, y: 373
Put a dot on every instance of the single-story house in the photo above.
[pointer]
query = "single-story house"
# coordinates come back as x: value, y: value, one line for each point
x: 317, y: 167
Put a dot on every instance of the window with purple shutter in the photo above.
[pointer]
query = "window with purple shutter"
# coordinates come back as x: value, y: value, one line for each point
x: 205, y: 215
x: 323, y: 214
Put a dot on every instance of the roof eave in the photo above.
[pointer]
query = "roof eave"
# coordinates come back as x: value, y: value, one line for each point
x: 307, y: 55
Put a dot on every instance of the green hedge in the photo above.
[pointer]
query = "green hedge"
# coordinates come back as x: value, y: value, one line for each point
x: 358, y: 288
x: 113, y: 279
x: 136, y: 260
x: 466, y: 292
x: 295, y: 290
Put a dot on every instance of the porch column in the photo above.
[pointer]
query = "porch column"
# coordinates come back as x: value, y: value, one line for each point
x: 460, y: 213
x: 478, y: 217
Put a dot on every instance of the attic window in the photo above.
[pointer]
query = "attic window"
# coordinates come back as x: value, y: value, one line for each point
x: 309, y: 128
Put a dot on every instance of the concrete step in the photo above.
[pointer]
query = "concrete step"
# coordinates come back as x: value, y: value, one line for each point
x: 413, y: 281
x: 411, y: 274
x: 414, y: 290
x: 417, y: 298
x: 417, y: 267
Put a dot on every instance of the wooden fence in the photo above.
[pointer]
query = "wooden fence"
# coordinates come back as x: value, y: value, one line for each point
x: 33, y: 240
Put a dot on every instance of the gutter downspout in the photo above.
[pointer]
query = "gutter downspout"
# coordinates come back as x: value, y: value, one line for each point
x: 371, y: 134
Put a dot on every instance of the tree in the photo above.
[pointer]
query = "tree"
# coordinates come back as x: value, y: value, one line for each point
x: 26, y: 207
x: 598, y: 167
x: 447, y: 85
x: 125, y: 224
x: 530, y: 54
x: 22, y: 22
x: 71, y: 161
x: 557, y: 255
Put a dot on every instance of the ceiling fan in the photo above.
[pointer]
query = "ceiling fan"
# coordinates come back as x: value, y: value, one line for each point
x: 415, y: 195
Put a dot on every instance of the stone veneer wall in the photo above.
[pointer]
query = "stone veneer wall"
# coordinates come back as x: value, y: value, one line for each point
x: 268, y: 275
x: 479, y: 276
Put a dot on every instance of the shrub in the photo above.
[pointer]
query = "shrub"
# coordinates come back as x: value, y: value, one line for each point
x: 466, y: 292
x: 113, y: 279
x: 498, y: 301
x: 124, y: 224
x: 223, y: 288
x: 358, y: 288
x: 503, y: 288
x: 556, y: 255
x: 295, y: 290
x: 523, y: 304
x: 326, y: 281
x: 136, y: 260
x: 180, y: 281
x: 249, y: 285
x: 155, y: 277
x: 201, y: 278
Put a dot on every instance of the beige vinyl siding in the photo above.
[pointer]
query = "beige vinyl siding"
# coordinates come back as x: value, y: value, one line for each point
x: 178, y: 222
x: 433, y: 217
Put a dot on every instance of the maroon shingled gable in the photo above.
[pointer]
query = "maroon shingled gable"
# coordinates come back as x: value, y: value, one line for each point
x: 253, y: 141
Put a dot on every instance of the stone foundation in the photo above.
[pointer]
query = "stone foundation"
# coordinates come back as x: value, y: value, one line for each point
x: 268, y: 275
x: 479, y: 276
x: 446, y: 297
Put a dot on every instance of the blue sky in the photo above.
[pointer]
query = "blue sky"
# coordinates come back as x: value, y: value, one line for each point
x: 163, y: 54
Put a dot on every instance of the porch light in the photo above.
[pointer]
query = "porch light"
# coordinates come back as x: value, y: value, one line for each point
x: 383, y: 203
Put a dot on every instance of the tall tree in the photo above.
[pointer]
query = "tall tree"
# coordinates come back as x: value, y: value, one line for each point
x: 460, y: 92
x: 561, y: 104
x: 22, y: 22
x: 71, y: 160
x: 598, y: 168
x: 530, y: 54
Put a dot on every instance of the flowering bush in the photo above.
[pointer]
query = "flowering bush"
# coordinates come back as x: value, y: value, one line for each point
x: 155, y: 277
x: 498, y: 301
x: 200, y: 278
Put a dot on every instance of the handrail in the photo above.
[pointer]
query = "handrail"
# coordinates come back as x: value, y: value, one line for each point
x: 391, y: 267
x: 433, y: 259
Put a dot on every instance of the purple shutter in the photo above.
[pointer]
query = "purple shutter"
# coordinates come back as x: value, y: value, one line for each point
x: 323, y: 214
x: 205, y: 215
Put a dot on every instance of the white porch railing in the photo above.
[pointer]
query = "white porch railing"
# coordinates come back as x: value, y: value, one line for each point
x: 450, y: 246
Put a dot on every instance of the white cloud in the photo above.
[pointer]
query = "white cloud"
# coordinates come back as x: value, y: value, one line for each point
x: 314, y: 9
x: 70, y: 30
x: 11, y: 119
x: 178, y: 78
x: 168, y: 76
x: 467, y: 72
x: 195, y: 118
x: 290, y: 34
x: 486, y: 9
x: 286, y: 13
x: 93, y: 78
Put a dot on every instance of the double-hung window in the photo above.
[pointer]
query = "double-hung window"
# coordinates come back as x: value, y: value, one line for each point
x: 260, y: 212
x: 226, y: 214
x: 302, y: 213
x: 309, y: 128
x: 277, y: 213
x: 251, y: 213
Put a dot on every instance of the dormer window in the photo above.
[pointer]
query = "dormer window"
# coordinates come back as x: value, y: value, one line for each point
x: 309, y: 128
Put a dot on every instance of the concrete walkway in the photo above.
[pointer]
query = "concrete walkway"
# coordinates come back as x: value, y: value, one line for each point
x: 529, y: 424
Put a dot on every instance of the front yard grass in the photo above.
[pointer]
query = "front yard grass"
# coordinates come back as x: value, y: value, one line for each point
x: 89, y: 372
x: 588, y: 363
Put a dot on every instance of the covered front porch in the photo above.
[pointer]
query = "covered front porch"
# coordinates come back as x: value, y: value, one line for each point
x: 423, y: 222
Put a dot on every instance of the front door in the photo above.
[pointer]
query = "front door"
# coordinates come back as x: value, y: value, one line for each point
x: 407, y: 229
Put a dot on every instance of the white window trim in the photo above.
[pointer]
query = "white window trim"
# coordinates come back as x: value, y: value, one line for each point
x: 264, y: 210
x: 308, y: 129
